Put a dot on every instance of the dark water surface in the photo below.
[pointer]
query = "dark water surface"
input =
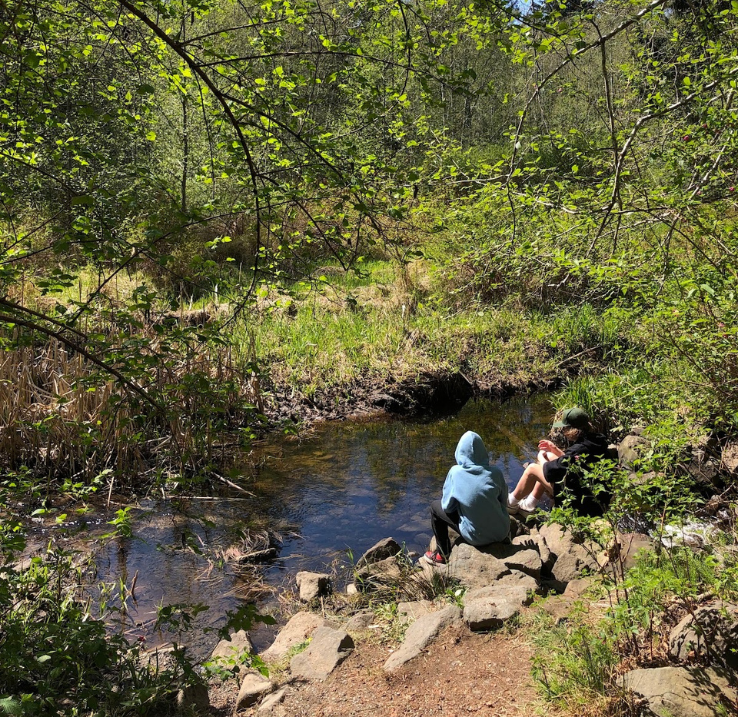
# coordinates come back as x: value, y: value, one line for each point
x: 345, y: 487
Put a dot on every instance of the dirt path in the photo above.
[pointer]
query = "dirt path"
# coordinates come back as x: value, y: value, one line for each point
x: 461, y: 673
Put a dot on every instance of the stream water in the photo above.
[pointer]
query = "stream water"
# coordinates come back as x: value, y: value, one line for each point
x: 342, y: 489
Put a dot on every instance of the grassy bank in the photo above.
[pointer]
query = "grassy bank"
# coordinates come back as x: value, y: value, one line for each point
x: 382, y: 326
x: 394, y: 323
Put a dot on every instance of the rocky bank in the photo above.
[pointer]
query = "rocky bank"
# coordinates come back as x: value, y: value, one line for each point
x: 541, y: 567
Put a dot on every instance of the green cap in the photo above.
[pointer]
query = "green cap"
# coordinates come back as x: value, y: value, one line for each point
x: 573, y: 418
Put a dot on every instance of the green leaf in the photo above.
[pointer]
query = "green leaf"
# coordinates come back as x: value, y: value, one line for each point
x: 11, y: 706
x: 83, y: 199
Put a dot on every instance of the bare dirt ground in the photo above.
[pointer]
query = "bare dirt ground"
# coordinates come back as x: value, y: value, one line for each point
x: 461, y: 673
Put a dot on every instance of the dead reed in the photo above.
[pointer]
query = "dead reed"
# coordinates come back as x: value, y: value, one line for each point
x: 63, y: 417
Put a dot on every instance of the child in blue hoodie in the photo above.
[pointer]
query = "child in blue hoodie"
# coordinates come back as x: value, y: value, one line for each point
x: 474, y: 501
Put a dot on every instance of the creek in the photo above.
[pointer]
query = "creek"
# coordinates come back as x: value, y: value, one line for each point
x: 341, y: 489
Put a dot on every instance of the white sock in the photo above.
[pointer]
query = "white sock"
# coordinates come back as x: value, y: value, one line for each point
x: 512, y: 501
x: 530, y: 502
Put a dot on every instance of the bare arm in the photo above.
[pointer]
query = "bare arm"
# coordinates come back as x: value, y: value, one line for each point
x: 550, y: 447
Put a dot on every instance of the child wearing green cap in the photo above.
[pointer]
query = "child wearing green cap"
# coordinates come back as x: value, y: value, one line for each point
x: 556, y: 468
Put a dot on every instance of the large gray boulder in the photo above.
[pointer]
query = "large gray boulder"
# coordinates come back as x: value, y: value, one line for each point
x: 682, y: 692
x: 572, y: 558
x: 711, y: 632
x: 420, y: 634
x: 535, y: 541
x: 519, y: 580
x: 516, y: 557
x: 299, y: 628
x: 631, y: 449
x: 328, y: 649
x: 576, y: 589
x: 312, y: 585
x: 490, y: 607
x: 386, y: 548
x: 475, y: 567
x: 253, y: 687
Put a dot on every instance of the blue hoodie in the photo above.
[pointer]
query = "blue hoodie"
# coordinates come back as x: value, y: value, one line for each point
x: 478, y: 493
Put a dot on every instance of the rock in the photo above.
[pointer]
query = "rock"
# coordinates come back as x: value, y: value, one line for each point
x: 630, y: 544
x: 576, y: 588
x: 729, y: 458
x: 271, y: 701
x: 253, y: 687
x: 572, y: 558
x: 351, y: 589
x: 410, y: 611
x: 299, y: 628
x: 518, y: 527
x: 257, y: 556
x: 711, y: 632
x: 642, y: 479
x: 535, y: 540
x: 159, y: 658
x: 194, y: 698
x: 682, y: 692
x: 383, y: 572
x: 473, y: 567
x: 516, y: 579
x: 328, y: 649
x: 631, y: 449
x: 490, y: 607
x: 559, y: 607
x: 230, y: 652
x: 360, y: 622
x: 420, y: 634
x: 312, y: 585
x: 516, y: 557
x: 704, y: 469
x: 386, y: 548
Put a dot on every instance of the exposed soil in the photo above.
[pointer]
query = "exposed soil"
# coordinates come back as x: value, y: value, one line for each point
x: 461, y: 673
x: 438, y: 393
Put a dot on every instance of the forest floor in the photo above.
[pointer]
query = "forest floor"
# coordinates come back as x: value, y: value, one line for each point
x: 461, y: 673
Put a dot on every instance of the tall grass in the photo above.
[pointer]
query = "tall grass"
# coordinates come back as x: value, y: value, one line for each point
x: 61, y: 416
x: 390, y: 333
x: 655, y: 394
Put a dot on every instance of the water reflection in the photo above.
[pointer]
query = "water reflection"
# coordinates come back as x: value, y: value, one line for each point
x: 353, y: 484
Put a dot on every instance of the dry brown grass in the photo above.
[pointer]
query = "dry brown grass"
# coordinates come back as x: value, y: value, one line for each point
x: 61, y: 416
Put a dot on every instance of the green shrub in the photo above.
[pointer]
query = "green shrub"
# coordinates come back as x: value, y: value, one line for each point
x: 573, y: 664
x: 56, y: 657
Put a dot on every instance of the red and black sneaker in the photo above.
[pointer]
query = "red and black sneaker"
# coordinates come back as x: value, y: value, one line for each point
x: 434, y: 558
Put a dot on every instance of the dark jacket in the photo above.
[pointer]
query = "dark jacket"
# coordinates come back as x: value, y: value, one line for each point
x: 567, y: 472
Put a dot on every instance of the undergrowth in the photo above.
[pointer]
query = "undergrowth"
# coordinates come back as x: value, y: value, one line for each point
x: 578, y: 665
